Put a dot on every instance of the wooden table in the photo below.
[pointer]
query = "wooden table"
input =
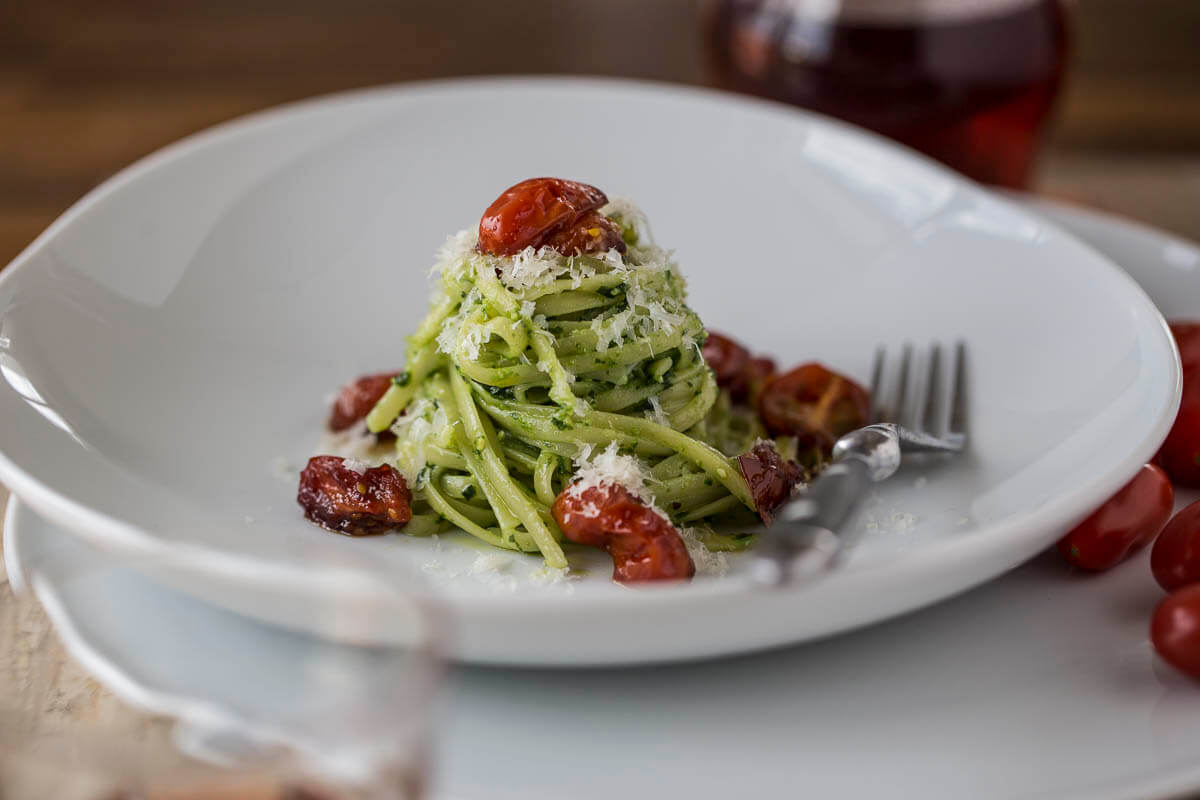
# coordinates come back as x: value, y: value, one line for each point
x: 86, y: 89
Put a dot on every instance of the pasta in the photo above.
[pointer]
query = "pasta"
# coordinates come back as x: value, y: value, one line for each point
x: 525, y: 362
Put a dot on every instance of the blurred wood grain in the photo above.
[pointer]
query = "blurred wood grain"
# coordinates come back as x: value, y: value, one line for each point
x: 88, y: 86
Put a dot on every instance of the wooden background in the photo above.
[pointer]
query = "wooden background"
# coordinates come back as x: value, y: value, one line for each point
x: 88, y: 86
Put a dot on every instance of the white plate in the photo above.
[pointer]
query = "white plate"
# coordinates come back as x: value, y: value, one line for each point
x: 177, y: 330
x: 1039, y: 685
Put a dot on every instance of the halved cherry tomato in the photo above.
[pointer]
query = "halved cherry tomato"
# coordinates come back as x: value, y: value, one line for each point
x: 1175, y: 559
x: 1187, y: 336
x: 591, y: 233
x: 528, y: 213
x: 726, y: 357
x: 1175, y: 630
x: 355, y: 503
x: 357, y: 398
x: 644, y: 545
x: 749, y: 383
x: 771, y: 479
x: 1130, y: 519
x: 1180, y: 453
x: 814, y: 404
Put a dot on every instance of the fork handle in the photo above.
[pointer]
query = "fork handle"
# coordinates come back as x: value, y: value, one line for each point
x: 802, y: 540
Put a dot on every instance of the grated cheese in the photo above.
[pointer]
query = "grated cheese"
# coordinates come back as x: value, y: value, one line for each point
x: 611, y: 468
x: 707, y: 562
x: 355, y: 464
x: 422, y: 422
x: 656, y: 413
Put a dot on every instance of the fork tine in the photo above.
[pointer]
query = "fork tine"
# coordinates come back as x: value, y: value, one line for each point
x: 929, y: 415
x: 958, y: 391
x: 901, y: 391
x: 877, y: 411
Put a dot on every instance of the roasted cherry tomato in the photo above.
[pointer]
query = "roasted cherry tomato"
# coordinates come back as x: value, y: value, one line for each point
x: 1187, y: 336
x: 770, y: 477
x: 355, y: 503
x: 1175, y: 630
x: 725, y: 357
x: 1180, y: 453
x: 644, y: 546
x: 1130, y: 519
x: 357, y: 398
x: 1175, y: 559
x: 591, y: 233
x: 532, y: 211
x: 814, y: 404
x: 749, y: 383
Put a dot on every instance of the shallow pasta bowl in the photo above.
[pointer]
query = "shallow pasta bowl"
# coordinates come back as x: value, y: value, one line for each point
x: 168, y: 344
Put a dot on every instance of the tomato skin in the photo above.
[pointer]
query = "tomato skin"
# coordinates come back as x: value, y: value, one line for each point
x: 1180, y: 453
x: 344, y: 500
x: 529, y: 212
x: 1175, y: 559
x: 644, y: 546
x: 357, y: 398
x: 591, y: 233
x: 748, y: 385
x: 771, y: 479
x: 814, y: 404
x: 1128, y: 520
x: 1187, y: 337
x: 726, y: 357
x: 1175, y: 630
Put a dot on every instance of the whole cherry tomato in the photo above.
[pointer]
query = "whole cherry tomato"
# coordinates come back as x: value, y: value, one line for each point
x: 1129, y: 520
x: 814, y: 404
x: 1175, y: 630
x: 1180, y: 453
x: 1175, y: 559
x: 1187, y: 336
x: 530, y: 212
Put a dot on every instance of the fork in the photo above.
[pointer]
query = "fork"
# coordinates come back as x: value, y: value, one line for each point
x: 803, y: 539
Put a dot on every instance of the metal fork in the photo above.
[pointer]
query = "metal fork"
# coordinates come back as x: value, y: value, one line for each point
x: 803, y: 539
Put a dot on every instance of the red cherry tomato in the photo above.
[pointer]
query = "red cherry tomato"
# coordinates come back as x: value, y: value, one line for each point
x: 1187, y: 336
x: 814, y: 404
x: 591, y: 233
x: 1175, y: 630
x: 530, y: 212
x: 748, y: 385
x: 1129, y: 520
x: 1180, y: 453
x: 357, y: 398
x: 1175, y: 559
x: 644, y: 546
x: 355, y: 503
x: 726, y: 357
x: 770, y: 478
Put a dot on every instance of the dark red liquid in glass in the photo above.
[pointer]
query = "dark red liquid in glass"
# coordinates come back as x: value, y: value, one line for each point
x: 972, y: 92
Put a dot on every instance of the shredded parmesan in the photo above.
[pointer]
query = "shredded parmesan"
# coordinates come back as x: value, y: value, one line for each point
x: 355, y: 464
x: 656, y: 413
x: 611, y: 468
x: 707, y: 562
x: 422, y: 422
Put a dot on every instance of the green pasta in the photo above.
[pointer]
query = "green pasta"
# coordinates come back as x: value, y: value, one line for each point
x: 527, y: 363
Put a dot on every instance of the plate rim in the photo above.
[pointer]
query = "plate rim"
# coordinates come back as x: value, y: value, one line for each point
x: 934, y: 557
